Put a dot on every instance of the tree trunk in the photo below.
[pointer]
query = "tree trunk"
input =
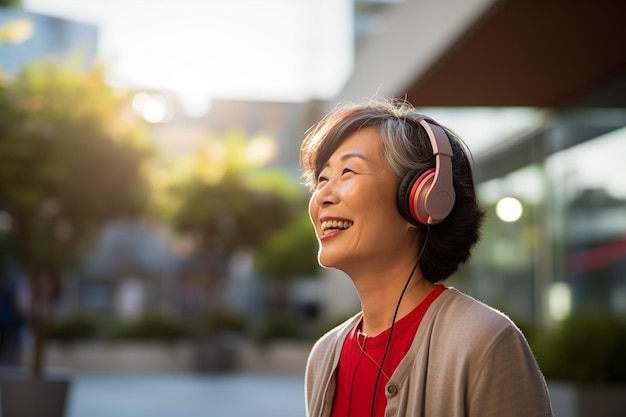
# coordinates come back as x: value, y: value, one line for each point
x: 40, y: 310
x: 44, y: 282
x: 36, y: 311
x: 38, y: 350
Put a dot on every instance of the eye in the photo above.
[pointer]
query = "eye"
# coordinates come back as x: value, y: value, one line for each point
x: 347, y: 171
x: 321, y: 179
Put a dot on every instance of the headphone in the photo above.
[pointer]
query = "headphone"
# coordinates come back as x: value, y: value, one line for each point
x: 426, y: 197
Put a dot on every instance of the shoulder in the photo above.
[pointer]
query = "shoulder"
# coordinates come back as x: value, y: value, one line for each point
x: 459, y: 325
x: 460, y: 311
x: 466, y: 335
x: 488, y: 350
x: 324, y: 358
x: 330, y: 343
x: 483, y: 349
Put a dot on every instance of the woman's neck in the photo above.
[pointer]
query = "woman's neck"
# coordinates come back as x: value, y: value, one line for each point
x: 379, y: 294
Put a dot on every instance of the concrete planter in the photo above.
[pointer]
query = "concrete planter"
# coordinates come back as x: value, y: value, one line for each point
x: 220, y: 355
x: 34, y: 397
x: 127, y: 356
x: 571, y: 400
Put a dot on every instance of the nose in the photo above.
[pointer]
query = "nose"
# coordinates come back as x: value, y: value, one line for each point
x: 326, y: 195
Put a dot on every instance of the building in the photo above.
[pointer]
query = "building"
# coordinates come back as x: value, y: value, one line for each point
x: 45, y: 37
x: 283, y: 122
x: 538, y: 90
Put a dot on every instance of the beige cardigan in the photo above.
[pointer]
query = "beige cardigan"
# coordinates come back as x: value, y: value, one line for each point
x: 467, y: 360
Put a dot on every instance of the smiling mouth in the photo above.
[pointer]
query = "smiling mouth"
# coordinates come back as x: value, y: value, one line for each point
x: 330, y: 226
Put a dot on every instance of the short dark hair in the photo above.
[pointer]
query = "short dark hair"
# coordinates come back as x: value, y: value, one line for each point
x: 406, y: 147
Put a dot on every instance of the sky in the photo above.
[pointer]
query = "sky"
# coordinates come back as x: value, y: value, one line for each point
x: 268, y: 50
x: 274, y: 50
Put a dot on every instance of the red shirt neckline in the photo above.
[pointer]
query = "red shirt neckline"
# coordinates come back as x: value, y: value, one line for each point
x: 360, y: 358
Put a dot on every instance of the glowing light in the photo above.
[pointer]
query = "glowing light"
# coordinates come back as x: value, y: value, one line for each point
x: 509, y: 209
x: 152, y: 107
x: 17, y: 31
x: 261, y: 150
x: 560, y: 301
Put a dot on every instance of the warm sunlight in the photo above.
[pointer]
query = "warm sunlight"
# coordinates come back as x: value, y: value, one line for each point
x: 261, y: 150
x: 152, y: 107
x: 272, y: 50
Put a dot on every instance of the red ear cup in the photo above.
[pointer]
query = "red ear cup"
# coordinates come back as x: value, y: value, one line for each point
x: 417, y: 196
x: 427, y: 197
x: 412, y: 192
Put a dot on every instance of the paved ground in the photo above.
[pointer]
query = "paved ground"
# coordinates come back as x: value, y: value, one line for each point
x: 235, y: 395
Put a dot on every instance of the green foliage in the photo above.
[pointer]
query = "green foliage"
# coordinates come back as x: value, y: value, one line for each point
x: 584, y: 349
x: 230, y: 215
x: 68, y: 162
x: 10, y: 3
x: 72, y: 159
x: 229, y: 200
x: 74, y: 328
x: 332, y: 322
x: 154, y: 327
x: 218, y: 321
x: 279, y: 325
x: 290, y: 253
x: 276, y: 180
x: 151, y: 326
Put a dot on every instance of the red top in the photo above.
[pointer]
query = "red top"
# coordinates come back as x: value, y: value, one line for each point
x: 360, y: 361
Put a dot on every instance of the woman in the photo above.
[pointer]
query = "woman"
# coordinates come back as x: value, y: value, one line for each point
x: 394, y: 207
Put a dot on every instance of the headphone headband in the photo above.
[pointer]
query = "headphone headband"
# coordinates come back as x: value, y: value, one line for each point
x: 440, y: 197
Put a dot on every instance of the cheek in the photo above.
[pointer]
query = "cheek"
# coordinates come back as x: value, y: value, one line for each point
x: 382, y: 205
x: 375, y: 199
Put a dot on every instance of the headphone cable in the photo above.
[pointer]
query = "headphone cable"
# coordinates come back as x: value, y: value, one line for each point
x: 393, y: 322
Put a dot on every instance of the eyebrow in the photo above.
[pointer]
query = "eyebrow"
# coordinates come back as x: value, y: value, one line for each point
x: 346, y: 157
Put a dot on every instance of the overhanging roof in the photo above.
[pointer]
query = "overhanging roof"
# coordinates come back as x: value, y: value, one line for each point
x: 534, y: 53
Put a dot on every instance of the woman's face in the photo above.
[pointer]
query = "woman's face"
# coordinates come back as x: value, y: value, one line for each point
x: 354, y: 208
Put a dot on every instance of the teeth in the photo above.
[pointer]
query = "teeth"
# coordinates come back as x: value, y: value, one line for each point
x: 336, y: 224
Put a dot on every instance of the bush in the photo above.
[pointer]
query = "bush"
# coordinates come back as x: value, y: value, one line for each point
x: 218, y: 321
x: 154, y: 327
x: 278, y: 326
x: 589, y: 350
x: 281, y: 326
x: 75, y: 327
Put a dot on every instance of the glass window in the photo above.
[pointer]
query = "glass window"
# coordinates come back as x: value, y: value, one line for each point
x: 588, y: 195
x: 502, y: 269
x: 554, y: 186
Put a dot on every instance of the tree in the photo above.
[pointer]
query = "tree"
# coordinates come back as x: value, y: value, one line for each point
x: 230, y: 215
x: 290, y: 253
x: 10, y: 3
x: 227, y: 204
x: 70, y: 160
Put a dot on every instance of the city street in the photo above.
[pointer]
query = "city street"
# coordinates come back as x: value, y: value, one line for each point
x: 150, y: 380
x: 228, y: 395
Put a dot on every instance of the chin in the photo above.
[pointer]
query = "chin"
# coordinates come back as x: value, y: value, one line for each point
x: 328, y: 261
x: 325, y: 261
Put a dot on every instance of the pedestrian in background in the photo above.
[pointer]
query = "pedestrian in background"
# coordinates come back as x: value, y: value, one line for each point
x: 11, y: 319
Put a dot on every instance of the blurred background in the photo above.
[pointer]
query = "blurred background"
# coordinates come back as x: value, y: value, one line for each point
x: 155, y: 251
